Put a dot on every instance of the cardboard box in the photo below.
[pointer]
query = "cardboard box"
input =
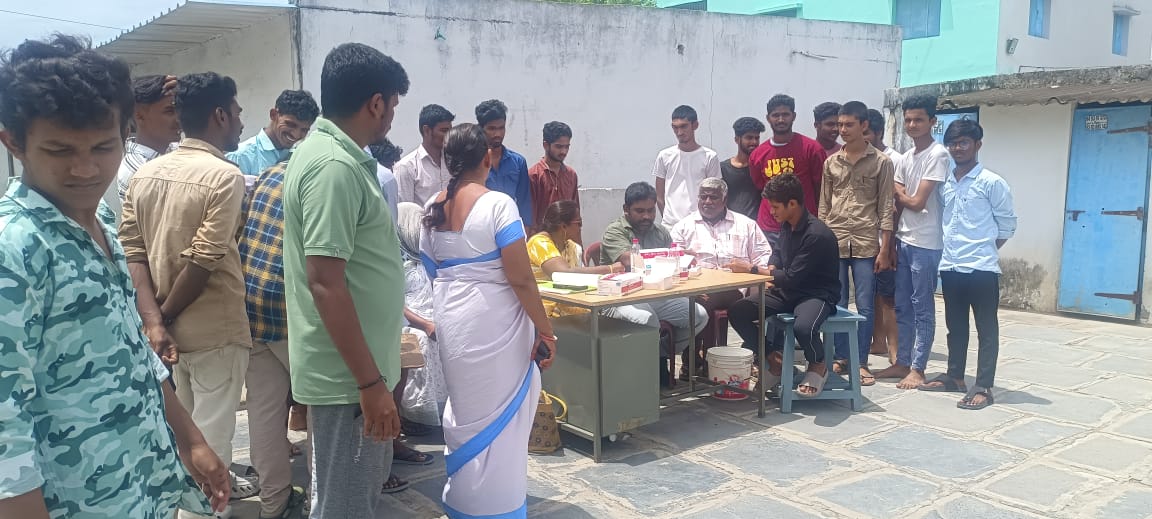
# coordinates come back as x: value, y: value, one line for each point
x: 619, y: 284
x: 658, y: 282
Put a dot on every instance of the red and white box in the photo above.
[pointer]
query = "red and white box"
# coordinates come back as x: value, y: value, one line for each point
x: 620, y: 283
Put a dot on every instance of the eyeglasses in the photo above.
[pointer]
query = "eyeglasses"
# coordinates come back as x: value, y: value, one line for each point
x: 960, y: 145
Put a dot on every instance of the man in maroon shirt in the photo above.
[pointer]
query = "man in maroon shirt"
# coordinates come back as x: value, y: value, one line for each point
x: 786, y: 152
x: 550, y: 180
x: 826, y: 117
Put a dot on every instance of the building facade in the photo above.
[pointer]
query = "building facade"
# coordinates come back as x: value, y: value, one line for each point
x: 1074, y: 147
x: 613, y: 73
x: 946, y: 40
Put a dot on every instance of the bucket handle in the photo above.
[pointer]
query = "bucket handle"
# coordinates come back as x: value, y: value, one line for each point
x: 551, y: 399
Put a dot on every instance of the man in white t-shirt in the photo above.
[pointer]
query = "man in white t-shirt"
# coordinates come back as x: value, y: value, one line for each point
x: 920, y: 240
x: 680, y: 169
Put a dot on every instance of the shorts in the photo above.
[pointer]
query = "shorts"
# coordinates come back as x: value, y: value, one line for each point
x: 886, y: 284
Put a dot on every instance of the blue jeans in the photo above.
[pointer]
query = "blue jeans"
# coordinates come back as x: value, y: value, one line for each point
x: 865, y: 283
x: 916, y: 274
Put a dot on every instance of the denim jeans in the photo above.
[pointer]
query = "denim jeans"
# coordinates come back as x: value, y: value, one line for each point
x: 916, y: 274
x: 865, y: 282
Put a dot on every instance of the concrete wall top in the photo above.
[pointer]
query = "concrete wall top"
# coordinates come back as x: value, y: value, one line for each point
x: 613, y: 73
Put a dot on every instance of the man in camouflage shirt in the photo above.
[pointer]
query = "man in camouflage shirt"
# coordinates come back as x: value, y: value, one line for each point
x: 88, y: 429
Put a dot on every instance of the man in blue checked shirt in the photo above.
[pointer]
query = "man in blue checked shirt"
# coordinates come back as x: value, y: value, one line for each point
x: 978, y: 220
x: 269, y: 386
x: 509, y: 174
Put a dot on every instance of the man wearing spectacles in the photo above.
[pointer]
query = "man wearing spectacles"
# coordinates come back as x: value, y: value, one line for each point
x: 978, y: 220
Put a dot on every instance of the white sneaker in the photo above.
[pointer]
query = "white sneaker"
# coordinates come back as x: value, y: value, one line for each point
x: 226, y: 514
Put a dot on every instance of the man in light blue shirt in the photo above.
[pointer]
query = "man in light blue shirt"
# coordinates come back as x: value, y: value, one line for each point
x: 288, y: 123
x: 509, y: 173
x: 387, y: 155
x: 978, y: 220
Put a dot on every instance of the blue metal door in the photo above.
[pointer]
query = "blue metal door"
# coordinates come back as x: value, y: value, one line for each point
x: 1105, y: 213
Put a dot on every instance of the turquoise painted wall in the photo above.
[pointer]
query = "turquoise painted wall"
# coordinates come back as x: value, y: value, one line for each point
x: 862, y: 11
x: 967, y: 47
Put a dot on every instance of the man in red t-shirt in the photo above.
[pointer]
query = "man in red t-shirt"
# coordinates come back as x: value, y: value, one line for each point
x: 786, y: 152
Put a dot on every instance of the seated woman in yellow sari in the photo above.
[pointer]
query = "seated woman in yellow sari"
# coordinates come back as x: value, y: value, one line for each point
x: 554, y: 250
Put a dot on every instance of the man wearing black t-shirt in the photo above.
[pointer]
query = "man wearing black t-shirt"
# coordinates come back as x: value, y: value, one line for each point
x: 743, y: 195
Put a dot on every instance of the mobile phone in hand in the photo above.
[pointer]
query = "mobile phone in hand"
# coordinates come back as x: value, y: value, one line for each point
x: 542, y: 352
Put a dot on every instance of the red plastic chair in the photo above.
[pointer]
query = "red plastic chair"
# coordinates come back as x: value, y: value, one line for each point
x: 592, y: 255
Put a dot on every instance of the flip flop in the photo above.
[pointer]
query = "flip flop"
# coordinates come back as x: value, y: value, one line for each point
x: 947, y: 385
x: 412, y: 457
x: 865, y: 383
x: 814, y: 381
x: 399, y: 485
x: 966, y: 402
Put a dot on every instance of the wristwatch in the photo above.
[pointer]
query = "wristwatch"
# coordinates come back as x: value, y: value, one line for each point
x: 755, y: 269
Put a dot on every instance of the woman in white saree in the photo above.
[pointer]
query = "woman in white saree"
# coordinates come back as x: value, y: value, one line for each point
x: 489, y: 322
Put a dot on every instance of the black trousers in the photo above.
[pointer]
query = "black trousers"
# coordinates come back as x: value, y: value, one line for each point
x: 810, y: 316
x: 980, y: 291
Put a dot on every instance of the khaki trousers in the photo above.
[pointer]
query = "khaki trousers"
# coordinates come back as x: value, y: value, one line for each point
x: 209, y: 384
x: 269, y: 390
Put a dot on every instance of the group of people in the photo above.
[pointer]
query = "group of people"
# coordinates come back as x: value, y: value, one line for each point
x: 825, y: 220
x: 148, y: 279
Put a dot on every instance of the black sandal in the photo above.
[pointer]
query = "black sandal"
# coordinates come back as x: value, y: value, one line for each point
x: 947, y: 385
x: 394, y: 485
x: 966, y: 402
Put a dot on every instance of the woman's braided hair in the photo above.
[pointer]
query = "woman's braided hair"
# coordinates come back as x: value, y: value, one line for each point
x: 464, y: 150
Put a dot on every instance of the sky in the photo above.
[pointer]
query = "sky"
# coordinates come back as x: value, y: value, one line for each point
x: 101, y: 20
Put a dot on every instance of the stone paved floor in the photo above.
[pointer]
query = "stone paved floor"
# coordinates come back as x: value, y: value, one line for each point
x: 1070, y: 437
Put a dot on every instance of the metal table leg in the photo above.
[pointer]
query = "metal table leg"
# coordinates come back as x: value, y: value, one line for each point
x: 691, y: 345
x: 763, y: 360
x: 598, y: 427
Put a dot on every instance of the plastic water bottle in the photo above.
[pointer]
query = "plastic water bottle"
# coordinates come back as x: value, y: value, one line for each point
x: 636, y: 258
x: 675, y: 254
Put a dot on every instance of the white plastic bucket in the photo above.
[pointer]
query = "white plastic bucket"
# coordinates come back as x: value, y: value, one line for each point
x: 731, y: 366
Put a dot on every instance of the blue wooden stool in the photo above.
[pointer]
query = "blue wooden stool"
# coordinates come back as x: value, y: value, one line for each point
x: 837, y: 388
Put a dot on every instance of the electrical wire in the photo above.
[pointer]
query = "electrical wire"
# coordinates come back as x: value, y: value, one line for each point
x: 60, y: 19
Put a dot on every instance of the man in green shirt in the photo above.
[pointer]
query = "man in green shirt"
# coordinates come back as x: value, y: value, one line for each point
x: 639, y: 222
x: 344, y: 283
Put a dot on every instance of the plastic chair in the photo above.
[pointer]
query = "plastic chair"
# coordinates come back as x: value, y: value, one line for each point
x: 592, y: 255
x: 718, y: 325
x: 837, y: 388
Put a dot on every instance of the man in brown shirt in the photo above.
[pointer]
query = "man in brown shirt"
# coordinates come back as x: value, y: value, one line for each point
x: 550, y: 180
x: 180, y: 222
x: 856, y: 203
